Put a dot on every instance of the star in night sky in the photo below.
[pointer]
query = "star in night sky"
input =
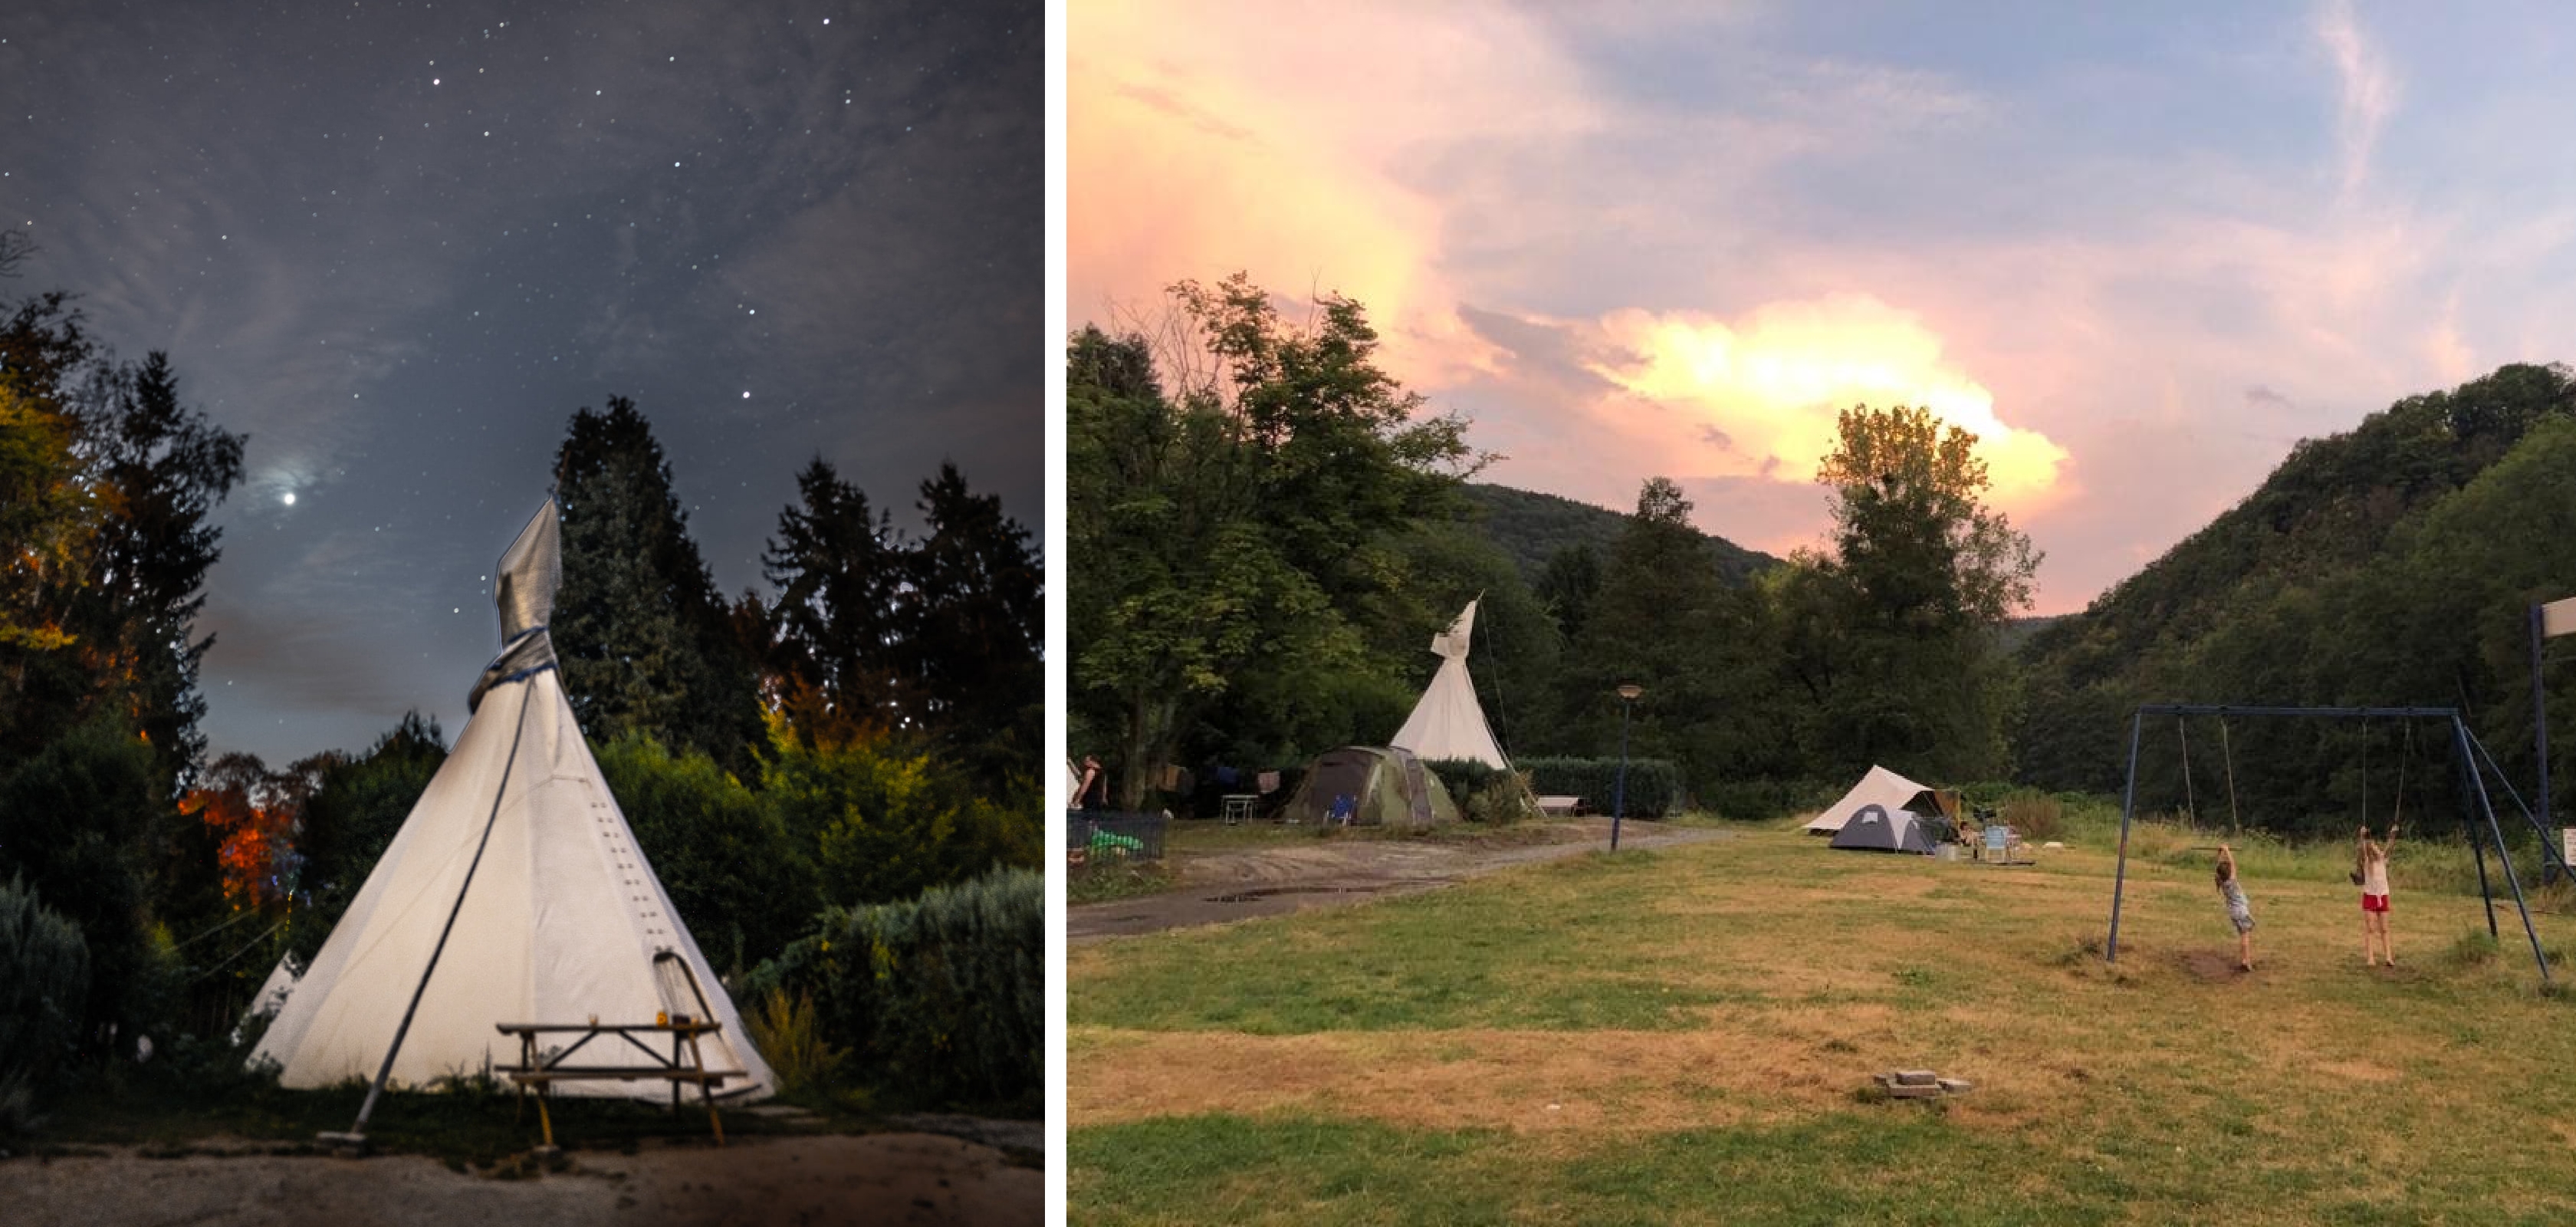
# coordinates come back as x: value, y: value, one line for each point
x: 398, y: 244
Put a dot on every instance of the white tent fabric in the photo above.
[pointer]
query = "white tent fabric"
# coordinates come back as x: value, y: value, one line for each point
x: 1880, y: 787
x: 561, y: 923
x: 1447, y: 722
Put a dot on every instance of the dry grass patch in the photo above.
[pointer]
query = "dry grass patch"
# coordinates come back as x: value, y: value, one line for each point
x: 2310, y: 1090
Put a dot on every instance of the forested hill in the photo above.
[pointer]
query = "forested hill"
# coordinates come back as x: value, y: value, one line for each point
x: 1532, y: 527
x: 2392, y: 563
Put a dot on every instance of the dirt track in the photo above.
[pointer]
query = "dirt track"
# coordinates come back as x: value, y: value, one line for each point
x: 873, y: 1179
x: 1224, y: 886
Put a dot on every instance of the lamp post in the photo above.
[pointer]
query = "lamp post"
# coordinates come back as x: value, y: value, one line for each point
x: 1628, y: 693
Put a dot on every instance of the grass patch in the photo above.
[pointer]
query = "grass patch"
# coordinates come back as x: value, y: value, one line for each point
x: 1113, y: 880
x: 1689, y: 1035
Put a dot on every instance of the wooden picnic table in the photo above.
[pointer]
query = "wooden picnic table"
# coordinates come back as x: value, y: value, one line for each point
x: 685, y: 1064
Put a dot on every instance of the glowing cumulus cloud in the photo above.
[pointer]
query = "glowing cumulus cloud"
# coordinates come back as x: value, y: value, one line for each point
x: 1771, y: 386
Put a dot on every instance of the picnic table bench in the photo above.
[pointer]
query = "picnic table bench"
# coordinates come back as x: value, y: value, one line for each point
x: 1559, y: 807
x: 684, y: 1066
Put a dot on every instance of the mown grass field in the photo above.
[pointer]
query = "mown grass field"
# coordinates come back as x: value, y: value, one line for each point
x: 1689, y: 1037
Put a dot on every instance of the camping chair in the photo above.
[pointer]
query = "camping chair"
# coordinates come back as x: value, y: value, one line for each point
x: 1345, y: 806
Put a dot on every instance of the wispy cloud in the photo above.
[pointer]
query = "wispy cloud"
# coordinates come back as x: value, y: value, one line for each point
x: 2368, y: 90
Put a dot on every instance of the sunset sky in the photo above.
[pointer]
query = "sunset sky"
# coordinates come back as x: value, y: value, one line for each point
x: 2140, y: 253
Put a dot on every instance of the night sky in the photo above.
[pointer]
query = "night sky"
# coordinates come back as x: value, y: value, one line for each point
x: 398, y: 244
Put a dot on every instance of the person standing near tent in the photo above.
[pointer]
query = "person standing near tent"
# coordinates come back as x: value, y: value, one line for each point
x: 1092, y: 794
x: 2239, y: 912
x: 2370, y: 869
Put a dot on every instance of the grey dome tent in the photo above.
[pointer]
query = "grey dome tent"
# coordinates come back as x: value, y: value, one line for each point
x: 1876, y: 828
x: 1386, y: 786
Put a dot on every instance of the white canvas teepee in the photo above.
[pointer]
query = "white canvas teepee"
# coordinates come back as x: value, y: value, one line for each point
x: 1447, y: 722
x: 556, y: 917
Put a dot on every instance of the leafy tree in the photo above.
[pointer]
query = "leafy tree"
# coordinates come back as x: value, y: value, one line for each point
x: 49, y: 519
x: 884, y: 822
x: 1233, y: 508
x: 355, y: 808
x: 646, y: 643
x: 1569, y: 585
x: 1920, y: 583
x: 736, y: 878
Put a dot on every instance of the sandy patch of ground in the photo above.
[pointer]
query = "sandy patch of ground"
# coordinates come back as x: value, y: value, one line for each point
x: 1228, y: 886
x: 817, y: 1181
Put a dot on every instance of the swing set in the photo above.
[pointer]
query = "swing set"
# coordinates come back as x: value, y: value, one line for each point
x: 2470, y: 759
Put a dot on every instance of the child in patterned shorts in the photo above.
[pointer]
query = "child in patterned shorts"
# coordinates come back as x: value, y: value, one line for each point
x: 2239, y: 912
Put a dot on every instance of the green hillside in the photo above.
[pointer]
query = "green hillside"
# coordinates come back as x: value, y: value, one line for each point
x: 2389, y: 564
x: 1532, y: 527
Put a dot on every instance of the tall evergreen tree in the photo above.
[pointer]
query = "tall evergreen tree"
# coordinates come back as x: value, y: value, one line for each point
x: 840, y: 572
x: 645, y: 640
x: 161, y: 469
x: 973, y: 619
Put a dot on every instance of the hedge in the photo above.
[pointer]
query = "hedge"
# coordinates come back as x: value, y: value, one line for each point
x: 943, y: 998
x: 1654, y: 784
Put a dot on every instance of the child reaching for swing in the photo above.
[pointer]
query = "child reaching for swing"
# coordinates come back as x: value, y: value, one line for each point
x: 2239, y: 912
x: 2370, y: 872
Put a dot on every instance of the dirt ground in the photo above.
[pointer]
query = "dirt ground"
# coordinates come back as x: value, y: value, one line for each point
x: 1224, y: 886
x: 874, y: 1179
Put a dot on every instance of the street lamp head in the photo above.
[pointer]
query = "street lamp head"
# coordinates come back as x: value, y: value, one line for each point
x: 1630, y: 691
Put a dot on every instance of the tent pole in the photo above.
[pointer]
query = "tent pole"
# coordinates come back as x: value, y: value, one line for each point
x: 358, y: 1132
x: 2128, y: 806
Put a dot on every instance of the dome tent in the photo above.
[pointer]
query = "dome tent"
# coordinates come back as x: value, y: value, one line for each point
x: 1386, y: 787
x: 1877, y: 828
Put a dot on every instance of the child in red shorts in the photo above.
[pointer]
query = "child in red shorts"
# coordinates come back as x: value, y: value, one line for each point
x: 2371, y: 866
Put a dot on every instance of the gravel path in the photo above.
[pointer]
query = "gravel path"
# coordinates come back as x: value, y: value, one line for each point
x: 1224, y: 886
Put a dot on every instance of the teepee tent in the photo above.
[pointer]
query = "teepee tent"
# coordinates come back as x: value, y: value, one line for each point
x: 1886, y: 789
x: 514, y: 893
x: 1447, y: 722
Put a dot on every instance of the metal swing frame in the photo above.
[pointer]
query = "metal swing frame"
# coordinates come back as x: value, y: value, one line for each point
x: 2467, y: 756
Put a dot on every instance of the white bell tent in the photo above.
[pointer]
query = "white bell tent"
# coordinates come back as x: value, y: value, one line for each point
x: 1887, y: 790
x: 514, y: 893
x: 1447, y: 722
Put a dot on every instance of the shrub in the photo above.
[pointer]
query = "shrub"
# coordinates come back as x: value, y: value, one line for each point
x: 1484, y: 793
x: 44, y: 981
x: 943, y: 997
x: 2038, y: 816
x: 1654, y: 784
x: 788, y: 1035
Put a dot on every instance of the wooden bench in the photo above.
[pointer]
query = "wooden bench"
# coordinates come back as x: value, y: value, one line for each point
x: 1559, y: 807
x: 683, y: 1067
